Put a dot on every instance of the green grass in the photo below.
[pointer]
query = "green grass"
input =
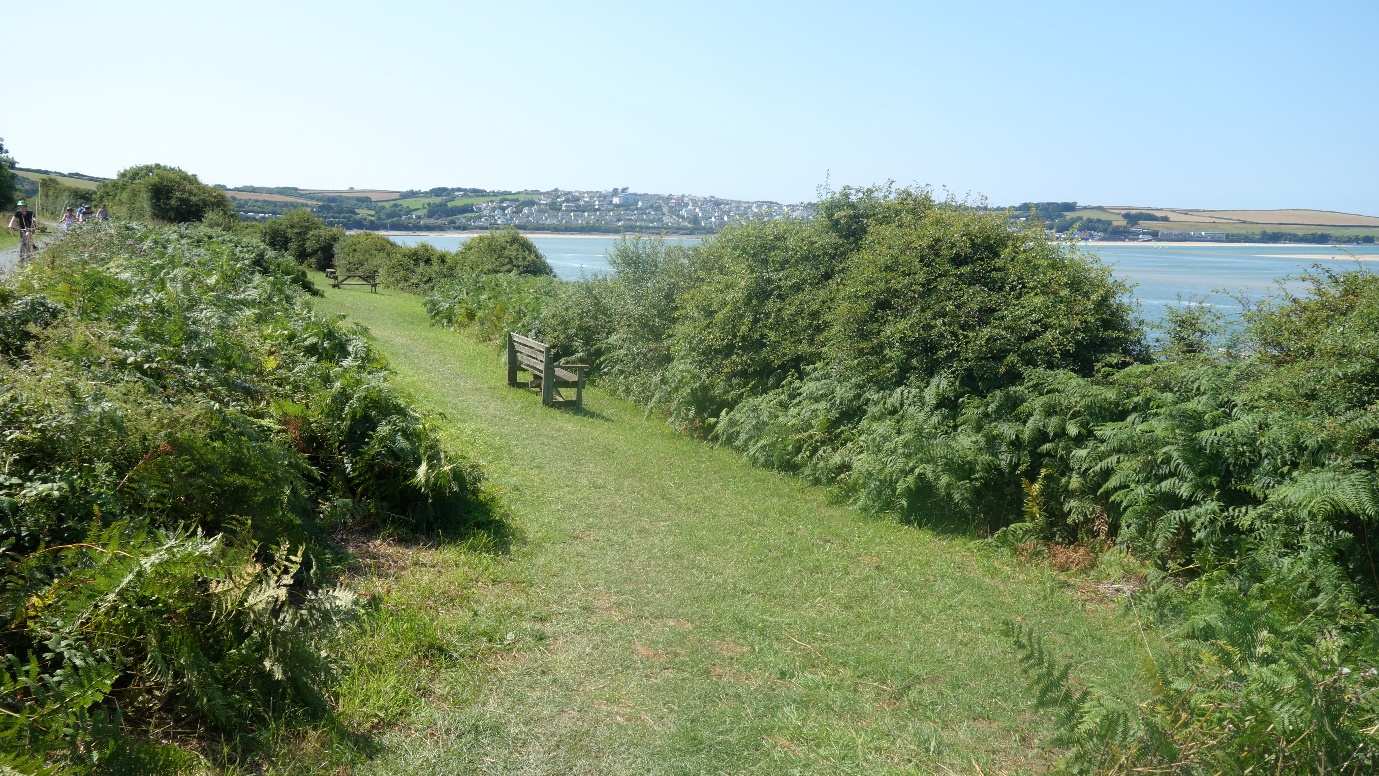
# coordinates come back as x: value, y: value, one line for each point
x: 1096, y: 212
x: 8, y: 239
x: 666, y: 608
x: 1232, y: 228
x: 1227, y: 227
x: 421, y: 203
x: 417, y: 203
x: 491, y: 198
x: 78, y: 183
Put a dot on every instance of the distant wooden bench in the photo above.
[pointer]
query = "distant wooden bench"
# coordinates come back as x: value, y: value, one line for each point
x: 527, y: 355
x: 369, y: 279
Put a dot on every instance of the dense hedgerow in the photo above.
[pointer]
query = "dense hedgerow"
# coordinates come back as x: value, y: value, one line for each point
x: 177, y: 431
x: 928, y: 362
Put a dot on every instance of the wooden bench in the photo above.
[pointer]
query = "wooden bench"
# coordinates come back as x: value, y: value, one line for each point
x: 527, y: 355
x: 369, y: 279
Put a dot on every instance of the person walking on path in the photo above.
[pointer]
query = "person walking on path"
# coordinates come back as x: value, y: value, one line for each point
x: 102, y: 214
x: 69, y: 217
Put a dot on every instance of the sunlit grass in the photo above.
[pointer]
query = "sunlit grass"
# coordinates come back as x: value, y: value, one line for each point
x: 666, y: 608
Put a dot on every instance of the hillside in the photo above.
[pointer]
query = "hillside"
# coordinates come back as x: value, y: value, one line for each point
x: 619, y: 210
x: 1245, y: 222
x: 75, y: 180
x: 1148, y: 222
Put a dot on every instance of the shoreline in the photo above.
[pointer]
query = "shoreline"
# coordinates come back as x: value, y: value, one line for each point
x: 1209, y: 243
x: 579, y: 235
x: 1366, y: 255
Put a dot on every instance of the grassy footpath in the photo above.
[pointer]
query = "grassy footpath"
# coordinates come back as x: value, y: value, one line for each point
x: 666, y: 608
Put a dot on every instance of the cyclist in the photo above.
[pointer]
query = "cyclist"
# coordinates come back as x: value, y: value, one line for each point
x: 23, y: 219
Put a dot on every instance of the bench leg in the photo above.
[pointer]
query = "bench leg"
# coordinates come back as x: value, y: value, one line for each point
x: 579, y: 392
x: 547, y: 379
x: 512, y: 363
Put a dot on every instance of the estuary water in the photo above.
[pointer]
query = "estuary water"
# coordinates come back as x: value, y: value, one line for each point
x: 1162, y: 274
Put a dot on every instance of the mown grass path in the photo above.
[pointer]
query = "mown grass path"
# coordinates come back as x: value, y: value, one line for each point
x: 672, y: 609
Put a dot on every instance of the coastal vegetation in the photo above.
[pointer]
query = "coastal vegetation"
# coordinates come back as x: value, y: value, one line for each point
x: 303, y: 236
x: 182, y: 437
x: 9, y: 187
x: 927, y: 362
x: 666, y: 606
x: 192, y: 453
x: 54, y: 196
x: 162, y: 194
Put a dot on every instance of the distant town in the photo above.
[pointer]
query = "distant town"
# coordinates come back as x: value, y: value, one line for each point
x: 615, y: 210
x: 621, y: 210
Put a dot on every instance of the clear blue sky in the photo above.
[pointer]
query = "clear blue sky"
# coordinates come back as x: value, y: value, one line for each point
x: 1230, y: 104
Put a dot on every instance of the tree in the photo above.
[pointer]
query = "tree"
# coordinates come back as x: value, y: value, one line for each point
x: 505, y: 250
x: 7, y: 177
x: 157, y: 192
x: 303, y: 236
x: 363, y: 253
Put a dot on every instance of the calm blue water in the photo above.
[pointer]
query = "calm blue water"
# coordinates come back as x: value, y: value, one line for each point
x: 1162, y: 274
x: 572, y: 258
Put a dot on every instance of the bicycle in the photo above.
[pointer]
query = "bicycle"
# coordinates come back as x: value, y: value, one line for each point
x: 28, y: 247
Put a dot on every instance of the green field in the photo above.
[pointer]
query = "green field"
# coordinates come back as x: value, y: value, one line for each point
x: 80, y: 183
x: 1096, y: 212
x: 1228, y: 227
x: 490, y: 198
x: 652, y: 604
x: 417, y: 203
x: 421, y: 203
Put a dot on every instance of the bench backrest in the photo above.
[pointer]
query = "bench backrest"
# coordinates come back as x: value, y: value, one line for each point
x: 532, y: 355
x: 535, y: 357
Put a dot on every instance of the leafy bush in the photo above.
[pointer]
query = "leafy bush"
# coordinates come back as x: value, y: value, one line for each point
x: 1276, y: 675
x: 302, y: 235
x: 363, y: 252
x: 180, y: 431
x: 54, y: 197
x: 502, y: 251
x: 945, y: 289
x: 156, y: 192
x: 492, y: 305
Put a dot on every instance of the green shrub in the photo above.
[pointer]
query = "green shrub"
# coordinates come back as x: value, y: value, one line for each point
x: 1275, y: 675
x: 502, y: 251
x: 158, y: 193
x: 302, y: 235
x: 754, y: 312
x: 491, y: 305
x: 54, y: 197
x: 363, y: 252
x: 181, y: 430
